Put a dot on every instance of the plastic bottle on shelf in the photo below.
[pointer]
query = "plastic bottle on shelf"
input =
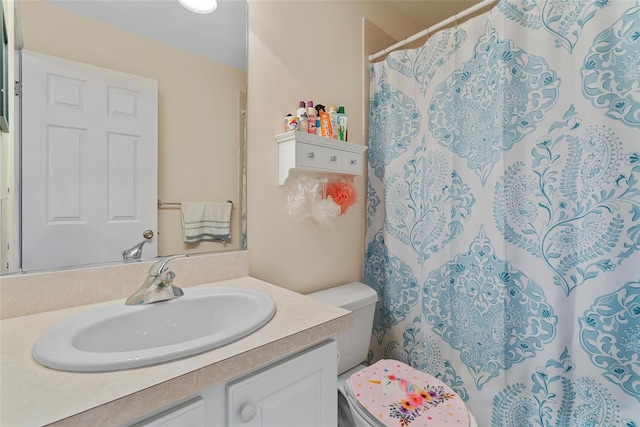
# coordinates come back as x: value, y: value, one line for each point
x: 323, y: 127
x: 333, y: 118
x: 311, y: 114
x: 291, y: 122
x: 342, y: 124
x: 303, y: 122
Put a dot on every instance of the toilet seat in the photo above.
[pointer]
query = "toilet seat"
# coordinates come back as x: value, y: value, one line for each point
x: 390, y: 393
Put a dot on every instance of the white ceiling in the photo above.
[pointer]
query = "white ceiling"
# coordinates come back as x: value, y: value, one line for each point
x: 220, y: 35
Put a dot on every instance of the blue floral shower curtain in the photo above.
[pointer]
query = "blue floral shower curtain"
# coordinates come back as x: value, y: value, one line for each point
x: 503, y: 231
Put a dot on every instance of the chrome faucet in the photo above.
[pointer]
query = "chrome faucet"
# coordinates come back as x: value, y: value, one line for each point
x: 135, y: 253
x: 158, y: 286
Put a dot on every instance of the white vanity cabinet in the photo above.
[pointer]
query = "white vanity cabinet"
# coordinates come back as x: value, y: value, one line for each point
x: 298, y: 391
x: 301, y: 152
x: 188, y: 414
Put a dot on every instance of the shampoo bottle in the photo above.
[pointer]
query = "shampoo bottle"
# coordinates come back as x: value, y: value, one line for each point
x: 311, y: 114
x: 303, y: 122
x: 342, y: 124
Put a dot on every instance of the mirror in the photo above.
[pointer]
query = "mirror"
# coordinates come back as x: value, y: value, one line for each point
x: 201, y: 80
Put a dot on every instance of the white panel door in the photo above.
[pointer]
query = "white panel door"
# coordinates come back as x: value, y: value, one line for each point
x: 89, y: 162
x: 300, y: 392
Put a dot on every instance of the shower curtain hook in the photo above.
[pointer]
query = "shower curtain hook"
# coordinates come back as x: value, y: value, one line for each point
x: 456, y: 18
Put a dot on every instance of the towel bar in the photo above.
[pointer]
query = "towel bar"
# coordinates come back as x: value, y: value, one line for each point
x: 162, y: 204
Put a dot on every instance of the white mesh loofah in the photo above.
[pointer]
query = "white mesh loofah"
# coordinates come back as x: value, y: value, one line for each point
x: 325, y: 211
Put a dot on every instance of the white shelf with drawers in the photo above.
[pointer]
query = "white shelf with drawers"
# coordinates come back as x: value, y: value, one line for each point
x: 304, y: 153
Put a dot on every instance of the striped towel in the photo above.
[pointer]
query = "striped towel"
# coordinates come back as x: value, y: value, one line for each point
x: 206, y: 221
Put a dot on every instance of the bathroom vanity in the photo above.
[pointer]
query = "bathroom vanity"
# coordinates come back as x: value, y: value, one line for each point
x: 288, y: 363
x: 297, y: 391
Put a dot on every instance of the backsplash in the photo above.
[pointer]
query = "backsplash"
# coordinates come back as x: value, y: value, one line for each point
x: 25, y: 294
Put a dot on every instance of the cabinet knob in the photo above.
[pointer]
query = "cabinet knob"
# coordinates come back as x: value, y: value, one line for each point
x: 334, y: 158
x: 247, y: 412
x: 311, y: 155
x: 353, y: 161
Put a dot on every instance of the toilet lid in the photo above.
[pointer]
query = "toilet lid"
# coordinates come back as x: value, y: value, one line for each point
x: 395, y: 394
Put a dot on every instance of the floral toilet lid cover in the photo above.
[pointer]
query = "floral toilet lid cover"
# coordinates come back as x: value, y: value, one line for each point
x: 399, y: 395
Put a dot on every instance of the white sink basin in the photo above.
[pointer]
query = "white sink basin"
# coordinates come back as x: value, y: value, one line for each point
x: 122, y: 337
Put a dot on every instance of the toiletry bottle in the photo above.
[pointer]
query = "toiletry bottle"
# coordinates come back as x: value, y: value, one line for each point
x: 303, y: 122
x: 311, y: 114
x: 342, y: 124
x: 291, y: 123
x: 321, y: 126
x: 325, y: 124
x: 333, y: 118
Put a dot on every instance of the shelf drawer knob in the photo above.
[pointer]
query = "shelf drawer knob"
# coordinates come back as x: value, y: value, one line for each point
x: 247, y: 412
x: 311, y: 155
x: 353, y: 161
x: 334, y: 158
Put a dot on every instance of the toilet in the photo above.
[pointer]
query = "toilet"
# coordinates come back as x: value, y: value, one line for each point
x: 387, y: 393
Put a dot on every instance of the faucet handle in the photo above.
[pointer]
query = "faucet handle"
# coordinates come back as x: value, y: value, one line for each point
x: 161, y: 266
x: 168, y: 276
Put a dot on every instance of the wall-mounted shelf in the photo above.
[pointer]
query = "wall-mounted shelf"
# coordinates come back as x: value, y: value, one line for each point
x: 304, y: 153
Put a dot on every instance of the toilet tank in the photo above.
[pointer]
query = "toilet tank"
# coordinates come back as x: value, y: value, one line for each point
x: 353, y: 343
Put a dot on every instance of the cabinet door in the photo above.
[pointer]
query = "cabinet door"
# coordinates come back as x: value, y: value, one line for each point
x: 301, y: 391
x: 190, y: 414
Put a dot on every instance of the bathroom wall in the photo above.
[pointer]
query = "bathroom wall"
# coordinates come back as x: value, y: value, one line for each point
x: 198, y: 111
x: 307, y: 50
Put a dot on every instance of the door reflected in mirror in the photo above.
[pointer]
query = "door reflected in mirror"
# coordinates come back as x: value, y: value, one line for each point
x: 200, y: 117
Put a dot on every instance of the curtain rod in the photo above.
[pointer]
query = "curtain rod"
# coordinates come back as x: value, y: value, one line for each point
x: 431, y: 29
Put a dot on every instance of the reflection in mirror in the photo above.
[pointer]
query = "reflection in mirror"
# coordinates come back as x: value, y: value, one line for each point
x: 200, y: 123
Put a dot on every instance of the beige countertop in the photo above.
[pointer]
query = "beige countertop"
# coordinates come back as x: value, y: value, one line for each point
x: 33, y: 395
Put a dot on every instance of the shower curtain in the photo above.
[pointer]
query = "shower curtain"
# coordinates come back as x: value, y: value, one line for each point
x: 503, y: 223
